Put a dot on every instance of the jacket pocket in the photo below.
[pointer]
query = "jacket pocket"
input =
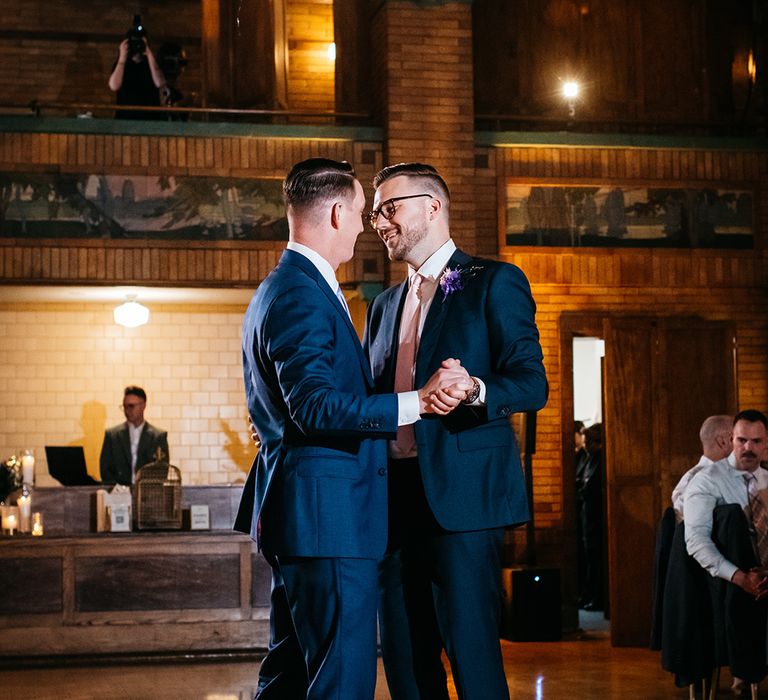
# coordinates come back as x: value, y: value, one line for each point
x: 485, y: 437
x: 317, y: 462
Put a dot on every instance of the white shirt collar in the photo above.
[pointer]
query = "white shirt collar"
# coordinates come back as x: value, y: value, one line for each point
x: 434, y: 265
x: 322, y: 265
x: 760, y: 474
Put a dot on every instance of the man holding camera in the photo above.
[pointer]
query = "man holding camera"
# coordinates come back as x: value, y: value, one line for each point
x: 136, y: 76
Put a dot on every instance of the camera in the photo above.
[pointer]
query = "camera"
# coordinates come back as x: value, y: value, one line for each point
x: 136, y: 36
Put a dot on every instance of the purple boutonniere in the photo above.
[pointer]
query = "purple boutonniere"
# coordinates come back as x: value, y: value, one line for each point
x: 454, y: 280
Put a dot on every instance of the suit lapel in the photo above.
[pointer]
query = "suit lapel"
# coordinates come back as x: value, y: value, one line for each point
x: 436, y: 316
x: 143, y: 445
x: 297, y: 259
x: 125, y: 442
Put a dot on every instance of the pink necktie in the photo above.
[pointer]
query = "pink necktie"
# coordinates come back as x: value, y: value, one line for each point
x: 406, y: 359
x: 759, y: 518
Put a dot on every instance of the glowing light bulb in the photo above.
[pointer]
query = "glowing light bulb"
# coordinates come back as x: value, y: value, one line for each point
x: 570, y: 89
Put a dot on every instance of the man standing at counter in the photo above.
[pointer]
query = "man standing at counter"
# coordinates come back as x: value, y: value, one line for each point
x: 130, y: 445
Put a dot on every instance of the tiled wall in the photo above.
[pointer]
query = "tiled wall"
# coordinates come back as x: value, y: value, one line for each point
x: 63, y: 368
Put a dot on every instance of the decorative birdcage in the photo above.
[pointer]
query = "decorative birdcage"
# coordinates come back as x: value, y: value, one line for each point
x: 158, y: 495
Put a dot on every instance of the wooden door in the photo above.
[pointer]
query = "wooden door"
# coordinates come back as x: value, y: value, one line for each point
x: 662, y: 378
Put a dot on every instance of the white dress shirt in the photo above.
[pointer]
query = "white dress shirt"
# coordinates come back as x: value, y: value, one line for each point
x: 713, y: 486
x: 405, y: 416
x: 678, y: 495
x: 134, y: 433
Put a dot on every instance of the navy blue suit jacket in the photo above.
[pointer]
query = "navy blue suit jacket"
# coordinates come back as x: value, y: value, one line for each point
x: 469, y: 461
x: 318, y: 486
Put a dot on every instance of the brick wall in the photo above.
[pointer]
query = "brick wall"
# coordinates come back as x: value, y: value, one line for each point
x: 57, y: 51
x: 711, y: 284
x: 180, y: 263
x: 311, y: 77
x: 423, y: 69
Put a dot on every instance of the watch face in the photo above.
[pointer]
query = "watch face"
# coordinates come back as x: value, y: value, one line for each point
x: 474, y: 393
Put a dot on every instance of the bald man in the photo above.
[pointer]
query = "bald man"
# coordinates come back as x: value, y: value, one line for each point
x: 715, y: 436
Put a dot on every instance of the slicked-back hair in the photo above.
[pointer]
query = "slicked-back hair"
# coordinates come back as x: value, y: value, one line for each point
x: 751, y: 416
x: 430, y: 178
x: 135, y: 391
x: 318, y: 180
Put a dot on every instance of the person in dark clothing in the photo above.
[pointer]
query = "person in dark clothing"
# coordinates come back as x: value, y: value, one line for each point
x: 172, y: 59
x: 137, y: 80
x: 590, y: 502
x: 578, y: 437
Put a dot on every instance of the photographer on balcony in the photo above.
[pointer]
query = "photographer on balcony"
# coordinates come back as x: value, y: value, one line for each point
x: 136, y: 76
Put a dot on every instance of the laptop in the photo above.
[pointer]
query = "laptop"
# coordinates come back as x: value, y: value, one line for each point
x: 67, y: 466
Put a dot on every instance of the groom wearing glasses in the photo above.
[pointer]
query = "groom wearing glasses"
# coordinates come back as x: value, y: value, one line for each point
x: 455, y: 481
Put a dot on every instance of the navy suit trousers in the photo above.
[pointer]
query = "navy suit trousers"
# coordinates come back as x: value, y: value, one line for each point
x: 322, y: 629
x: 438, y: 589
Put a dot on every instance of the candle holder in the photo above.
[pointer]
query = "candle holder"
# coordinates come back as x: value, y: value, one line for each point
x: 37, y: 524
x: 9, y: 519
x: 28, y: 467
x: 24, y: 503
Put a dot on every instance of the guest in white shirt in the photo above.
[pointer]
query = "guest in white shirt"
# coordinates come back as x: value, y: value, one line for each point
x: 715, y: 436
x: 721, y: 483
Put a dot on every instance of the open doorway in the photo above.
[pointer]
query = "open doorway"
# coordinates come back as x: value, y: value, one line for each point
x: 661, y: 377
x: 589, y: 507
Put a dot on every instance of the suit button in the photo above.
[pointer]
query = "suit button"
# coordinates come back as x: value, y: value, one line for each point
x: 382, y: 471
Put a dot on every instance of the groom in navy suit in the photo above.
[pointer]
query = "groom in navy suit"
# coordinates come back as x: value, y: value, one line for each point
x: 457, y: 483
x: 315, y: 498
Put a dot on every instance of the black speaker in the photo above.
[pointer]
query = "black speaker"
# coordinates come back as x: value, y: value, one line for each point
x: 531, y: 610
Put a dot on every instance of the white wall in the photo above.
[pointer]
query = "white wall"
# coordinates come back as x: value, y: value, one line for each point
x: 587, y: 380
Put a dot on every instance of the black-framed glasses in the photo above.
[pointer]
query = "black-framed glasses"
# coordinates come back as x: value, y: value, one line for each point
x: 387, y: 209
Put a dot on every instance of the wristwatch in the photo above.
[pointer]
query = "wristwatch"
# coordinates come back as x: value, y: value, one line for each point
x: 473, y: 393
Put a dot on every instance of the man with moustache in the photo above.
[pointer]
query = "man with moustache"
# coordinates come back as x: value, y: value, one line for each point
x: 455, y: 482
x: 315, y: 498
x: 738, y: 478
x: 731, y: 543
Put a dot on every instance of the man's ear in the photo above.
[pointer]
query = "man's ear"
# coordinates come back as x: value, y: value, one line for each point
x: 435, y: 206
x: 336, y: 215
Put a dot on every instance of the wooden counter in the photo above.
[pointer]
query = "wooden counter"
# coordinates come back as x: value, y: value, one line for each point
x: 139, y: 592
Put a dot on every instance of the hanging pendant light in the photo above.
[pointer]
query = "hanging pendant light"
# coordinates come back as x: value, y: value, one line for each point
x: 131, y: 314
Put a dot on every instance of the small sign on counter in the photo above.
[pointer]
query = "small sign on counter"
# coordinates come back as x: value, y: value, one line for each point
x: 119, y: 518
x: 199, y: 518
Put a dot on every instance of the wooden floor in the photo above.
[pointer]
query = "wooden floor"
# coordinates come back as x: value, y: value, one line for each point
x: 585, y: 666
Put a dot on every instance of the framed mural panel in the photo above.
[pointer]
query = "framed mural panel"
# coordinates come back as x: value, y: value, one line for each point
x: 627, y: 216
x: 75, y: 205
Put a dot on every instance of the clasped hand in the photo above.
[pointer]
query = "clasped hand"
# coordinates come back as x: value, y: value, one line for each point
x: 754, y: 582
x: 446, y: 388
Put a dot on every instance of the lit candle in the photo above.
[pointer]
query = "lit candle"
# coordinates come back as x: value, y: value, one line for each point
x: 28, y: 467
x: 9, y: 523
x: 25, y: 512
x: 37, y: 524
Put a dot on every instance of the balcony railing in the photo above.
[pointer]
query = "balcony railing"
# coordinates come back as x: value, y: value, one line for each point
x: 201, y: 114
